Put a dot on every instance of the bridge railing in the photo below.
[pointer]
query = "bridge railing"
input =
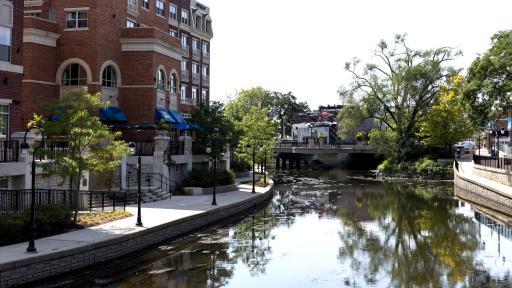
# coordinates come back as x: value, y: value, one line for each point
x: 354, y: 147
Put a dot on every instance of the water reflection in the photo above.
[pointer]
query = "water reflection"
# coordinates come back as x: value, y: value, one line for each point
x: 330, y: 230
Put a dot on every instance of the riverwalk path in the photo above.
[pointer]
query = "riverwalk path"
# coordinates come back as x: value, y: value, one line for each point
x: 161, y: 220
x: 466, y: 171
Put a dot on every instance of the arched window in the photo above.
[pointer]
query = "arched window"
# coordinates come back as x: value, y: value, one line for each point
x: 173, y: 84
x: 74, y: 75
x: 160, y: 80
x: 109, y: 77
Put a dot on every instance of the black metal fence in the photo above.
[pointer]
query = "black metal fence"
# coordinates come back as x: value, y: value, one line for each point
x: 493, y: 162
x: 12, y: 201
x: 9, y: 151
x: 177, y: 147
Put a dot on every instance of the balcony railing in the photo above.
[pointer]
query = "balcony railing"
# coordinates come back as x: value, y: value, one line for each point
x: 196, y: 54
x: 9, y: 151
x: 206, y: 80
x: 184, y: 75
x: 187, y: 101
x: 206, y: 57
x: 145, y: 148
x: 195, y: 78
x: 186, y: 49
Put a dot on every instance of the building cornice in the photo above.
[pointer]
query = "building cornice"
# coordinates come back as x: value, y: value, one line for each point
x: 34, y: 35
x: 8, y: 67
x: 150, y: 45
x: 199, y: 34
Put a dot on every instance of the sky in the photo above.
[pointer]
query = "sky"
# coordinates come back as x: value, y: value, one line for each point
x: 301, y: 46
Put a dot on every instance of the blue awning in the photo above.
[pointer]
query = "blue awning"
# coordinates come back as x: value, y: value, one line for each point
x: 177, y: 117
x: 163, y: 114
x: 112, y: 114
x: 184, y: 126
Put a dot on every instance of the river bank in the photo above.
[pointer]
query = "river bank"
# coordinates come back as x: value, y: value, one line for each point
x: 162, y: 220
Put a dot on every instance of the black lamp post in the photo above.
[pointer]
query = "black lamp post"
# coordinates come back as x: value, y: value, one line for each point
x: 253, y: 171
x: 24, y: 151
x: 211, y: 149
x: 264, y: 170
x: 139, y: 168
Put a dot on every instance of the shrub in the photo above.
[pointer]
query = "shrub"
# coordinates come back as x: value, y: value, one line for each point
x: 204, y: 178
x: 241, y: 165
x: 387, y: 167
x: 49, y: 219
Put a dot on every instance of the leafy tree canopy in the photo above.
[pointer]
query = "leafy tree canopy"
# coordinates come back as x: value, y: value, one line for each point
x: 91, y: 145
x: 449, y: 120
x: 399, y: 88
x: 489, y: 81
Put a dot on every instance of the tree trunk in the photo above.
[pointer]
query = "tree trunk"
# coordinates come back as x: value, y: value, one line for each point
x: 77, y: 204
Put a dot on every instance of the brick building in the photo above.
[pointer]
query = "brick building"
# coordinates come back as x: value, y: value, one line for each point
x: 11, y: 66
x: 141, y: 54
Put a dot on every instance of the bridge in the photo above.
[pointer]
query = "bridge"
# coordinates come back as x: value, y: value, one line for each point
x: 328, y: 155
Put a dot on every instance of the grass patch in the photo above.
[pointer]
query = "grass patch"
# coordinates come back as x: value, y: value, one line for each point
x: 94, y: 219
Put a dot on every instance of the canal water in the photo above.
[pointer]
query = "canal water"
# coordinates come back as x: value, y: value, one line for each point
x: 329, y: 229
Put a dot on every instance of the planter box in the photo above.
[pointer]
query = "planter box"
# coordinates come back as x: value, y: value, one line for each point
x: 191, y: 191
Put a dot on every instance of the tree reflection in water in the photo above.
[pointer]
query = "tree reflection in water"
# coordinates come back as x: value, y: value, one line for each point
x: 420, y: 240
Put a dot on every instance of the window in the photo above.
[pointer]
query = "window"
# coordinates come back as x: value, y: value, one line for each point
x: 205, y: 70
x: 160, y: 80
x: 74, y: 75
x: 130, y: 24
x: 204, y: 95
x: 133, y: 8
x: 173, y: 12
x: 184, y: 41
x: 184, y: 17
x: 4, y: 121
x: 32, y: 14
x: 195, y: 44
x: 196, y: 20
x: 173, y: 33
x: 160, y: 7
x: 183, y: 91
x: 194, y: 93
x: 184, y: 65
x: 109, y: 78
x: 206, y: 48
x: 145, y: 4
x: 76, y: 19
x: 195, y: 68
x: 173, y: 84
x: 5, y: 44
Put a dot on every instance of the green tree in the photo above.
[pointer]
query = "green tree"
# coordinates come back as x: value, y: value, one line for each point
x: 254, y: 125
x: 91, y: 145
x: 448, y: 121
x: 489, y: 81
x: 212, y: 116
x: 282, y: 108
x: 399, y: 89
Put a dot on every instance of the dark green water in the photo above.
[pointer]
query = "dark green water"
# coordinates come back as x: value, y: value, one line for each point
x: 324, y: 229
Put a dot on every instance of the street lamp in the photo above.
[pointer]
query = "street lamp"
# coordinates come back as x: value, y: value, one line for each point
x: 211, y: 149
x: 24, y: 151
x: 264, y: 170
x: 253, y: 172
x: 139, y: 168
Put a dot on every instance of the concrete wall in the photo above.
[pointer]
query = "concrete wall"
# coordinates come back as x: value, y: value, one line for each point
x: 29, y: 270
x: 498, y: 175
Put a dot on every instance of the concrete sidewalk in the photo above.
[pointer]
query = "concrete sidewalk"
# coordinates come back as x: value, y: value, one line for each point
x: 153, y: 215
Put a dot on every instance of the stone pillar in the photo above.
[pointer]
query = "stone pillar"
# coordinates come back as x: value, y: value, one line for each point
x: 31, y: 138
x: 122, y: 173
x: 188, y: 152
x: 161, y: 144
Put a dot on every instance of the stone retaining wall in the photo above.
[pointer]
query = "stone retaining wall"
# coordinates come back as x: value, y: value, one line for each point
x: 29, y: 270
x: 498, y: 175
x: 473, y: 191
